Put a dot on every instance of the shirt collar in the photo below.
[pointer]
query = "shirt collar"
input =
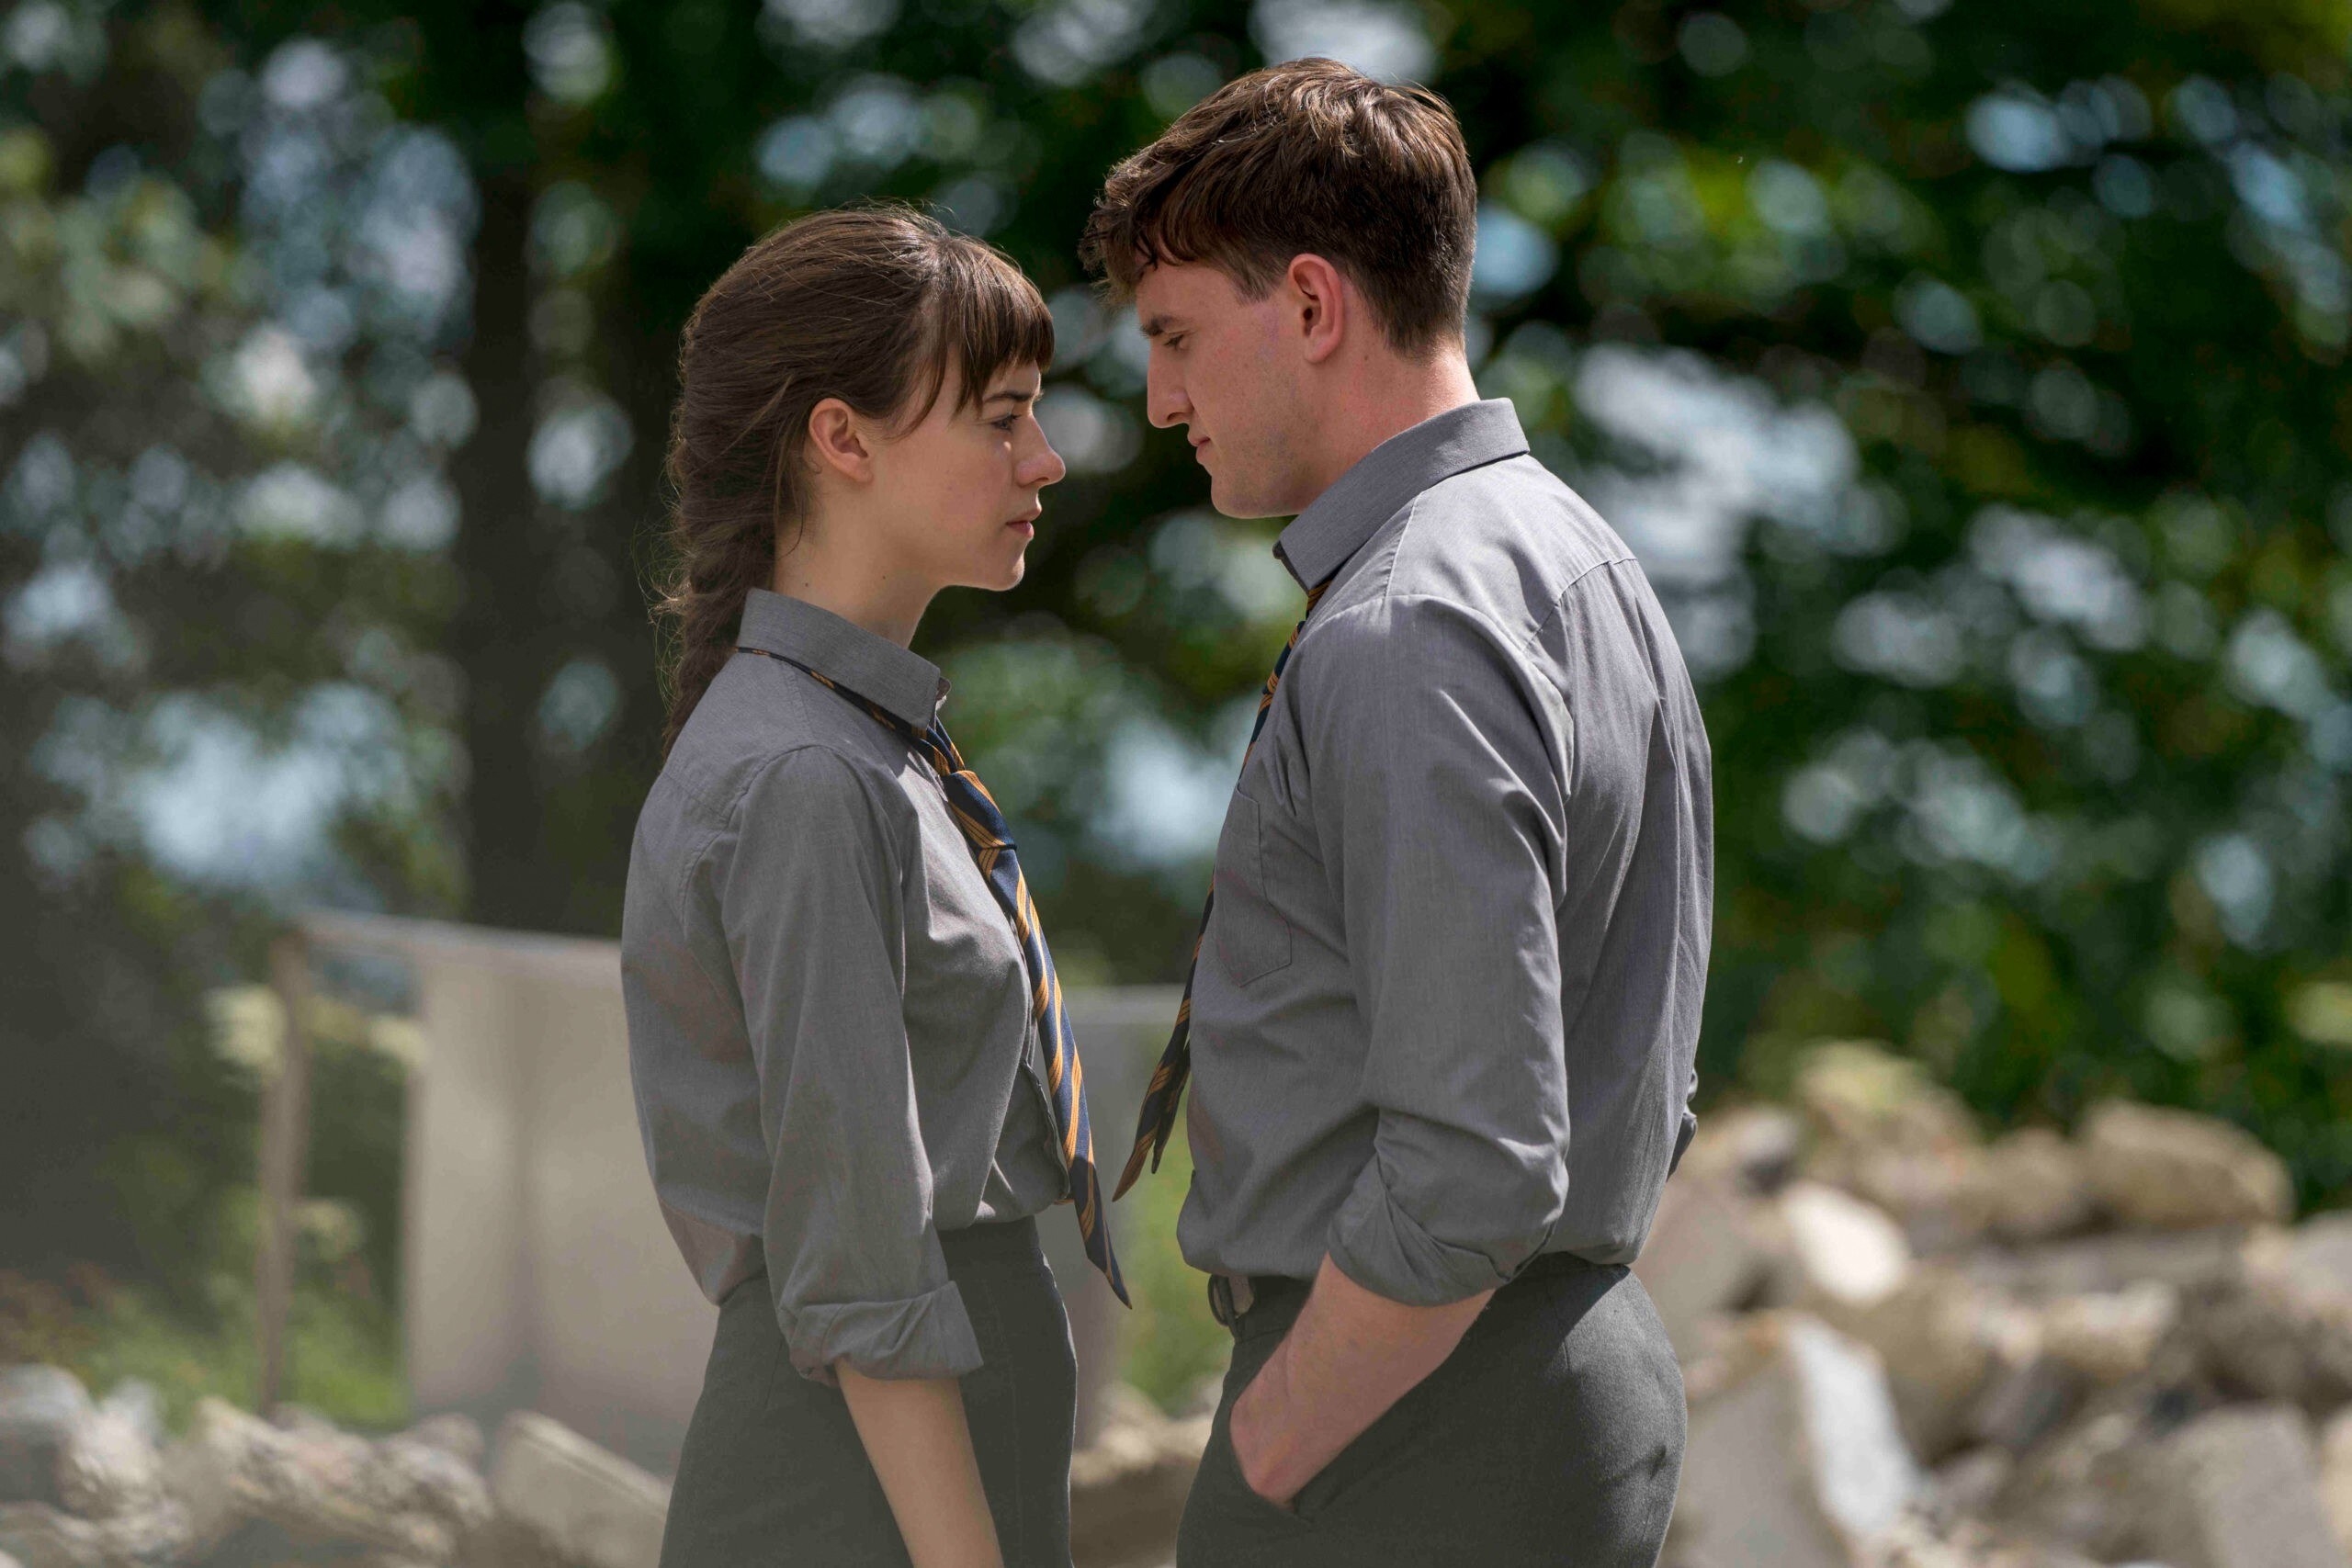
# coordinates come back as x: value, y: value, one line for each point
x: 1321, y: 539
x: 900, y: 681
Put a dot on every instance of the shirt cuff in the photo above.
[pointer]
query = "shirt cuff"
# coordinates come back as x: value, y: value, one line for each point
x: 925, y: 1336
x: 1380, y: 1246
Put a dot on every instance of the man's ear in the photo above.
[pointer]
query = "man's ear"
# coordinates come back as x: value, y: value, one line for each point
x: 837, y: 441
x: 1319, y: 295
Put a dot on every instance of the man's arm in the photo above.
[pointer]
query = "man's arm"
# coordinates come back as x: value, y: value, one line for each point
x: 1348, y: 1358
x: 1437, y: 758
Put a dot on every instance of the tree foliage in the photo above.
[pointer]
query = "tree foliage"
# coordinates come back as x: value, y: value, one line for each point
x: 1969, y: 378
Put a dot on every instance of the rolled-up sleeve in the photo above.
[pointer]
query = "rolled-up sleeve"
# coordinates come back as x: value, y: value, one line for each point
x: 1435, y: 751
x: 811, y: 901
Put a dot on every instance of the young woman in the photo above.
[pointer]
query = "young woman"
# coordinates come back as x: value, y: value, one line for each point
x: 854, y: 1074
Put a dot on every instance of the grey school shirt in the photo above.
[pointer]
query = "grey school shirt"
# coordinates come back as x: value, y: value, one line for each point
x: 1446, y: 1009
x: 828, y: 1020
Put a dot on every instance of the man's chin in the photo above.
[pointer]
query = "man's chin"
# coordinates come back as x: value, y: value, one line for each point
x: 1237, y: 500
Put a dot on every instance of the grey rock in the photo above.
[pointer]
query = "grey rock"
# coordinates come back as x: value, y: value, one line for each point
x: 2034, y: 1184
x: 395, y: 1501
x: 1941, y: 1340
x: 1966, y: 1484
x: 1709, y: 1250
x: 1884, y: 1131
x: 1858, y: 1094
x: 2174, y: 1169
x: 39, y: 1536
x: 2288, y: 1331
x: 456, y: 1436
x: 1843, y: 1253
x: 134, y: 1400
x: 568, y: 1496
x: 1127, y: 1491
x: 40, y: 1407
x: 2111, y: 1336
x: 2335, y: 1475
x: 1799, y: 1463
x: 2239, y: 1488
x: 109, y: 1468
x: 1752, y: 1147
x: 2192, y: 1260
x: 2077, y: 1487
x: 2025, y: 1402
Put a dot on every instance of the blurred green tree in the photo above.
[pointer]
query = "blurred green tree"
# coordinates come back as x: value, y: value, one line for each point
x: 1969, y: 379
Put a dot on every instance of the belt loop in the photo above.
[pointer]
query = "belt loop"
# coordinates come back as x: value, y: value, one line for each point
x: 1229, y: 1296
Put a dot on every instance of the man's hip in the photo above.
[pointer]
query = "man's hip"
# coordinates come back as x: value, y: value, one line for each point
x: 1553, y: 1434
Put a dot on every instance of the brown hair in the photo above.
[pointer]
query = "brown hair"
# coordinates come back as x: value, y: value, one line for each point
x: 1309, y: 156
x: 876, y: 306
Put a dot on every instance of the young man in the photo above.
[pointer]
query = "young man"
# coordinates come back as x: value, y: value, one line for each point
x: 1443, y: 1016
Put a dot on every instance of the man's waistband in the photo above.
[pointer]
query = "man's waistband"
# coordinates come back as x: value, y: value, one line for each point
x: 1249, y: 1304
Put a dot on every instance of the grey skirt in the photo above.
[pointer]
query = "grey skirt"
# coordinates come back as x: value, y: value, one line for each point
x: 773, y: 1471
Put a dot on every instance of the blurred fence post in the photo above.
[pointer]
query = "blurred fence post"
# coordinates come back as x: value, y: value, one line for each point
x: 285, y: 1151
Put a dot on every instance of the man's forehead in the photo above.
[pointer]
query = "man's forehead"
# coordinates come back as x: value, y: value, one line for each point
x: 1169, y: 293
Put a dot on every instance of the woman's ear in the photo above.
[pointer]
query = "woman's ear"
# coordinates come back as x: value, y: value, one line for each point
x: 837, y: 441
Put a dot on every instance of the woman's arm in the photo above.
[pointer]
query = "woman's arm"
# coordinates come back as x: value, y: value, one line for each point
x: 914, y: 1433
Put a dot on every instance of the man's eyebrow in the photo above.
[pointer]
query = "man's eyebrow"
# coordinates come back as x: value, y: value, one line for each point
x: 1158, y: 326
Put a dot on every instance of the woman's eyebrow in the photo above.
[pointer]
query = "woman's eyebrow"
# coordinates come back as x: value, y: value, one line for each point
x: 1010, y: 394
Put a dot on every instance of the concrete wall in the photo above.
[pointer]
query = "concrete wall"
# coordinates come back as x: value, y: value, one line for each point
x: 537, y: 1270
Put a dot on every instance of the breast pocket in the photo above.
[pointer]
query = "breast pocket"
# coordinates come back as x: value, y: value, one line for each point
x: 1252, y: 939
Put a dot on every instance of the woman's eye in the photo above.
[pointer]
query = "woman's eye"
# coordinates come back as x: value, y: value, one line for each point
x: 1006, y: 422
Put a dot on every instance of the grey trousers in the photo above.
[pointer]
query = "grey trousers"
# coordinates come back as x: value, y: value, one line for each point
x: 773, y: 1472
x: 1552, y: 1436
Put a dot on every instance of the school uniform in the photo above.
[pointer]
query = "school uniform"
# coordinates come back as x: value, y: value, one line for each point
x: 856, y: 1092
x: 1441, y: 1025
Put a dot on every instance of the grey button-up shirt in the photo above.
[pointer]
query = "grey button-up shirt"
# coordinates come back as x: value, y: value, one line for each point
x: 1445, y: 1014
x: 829, y: 1017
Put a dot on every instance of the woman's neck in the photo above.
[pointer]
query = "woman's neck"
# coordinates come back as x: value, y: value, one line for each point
x: 880, y: 595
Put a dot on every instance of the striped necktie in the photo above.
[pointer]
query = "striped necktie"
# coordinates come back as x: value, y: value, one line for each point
x: 975, y: 811
x: 1159, y: 1100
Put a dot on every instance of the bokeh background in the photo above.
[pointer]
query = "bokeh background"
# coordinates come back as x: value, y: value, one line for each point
x: 1968, y: 375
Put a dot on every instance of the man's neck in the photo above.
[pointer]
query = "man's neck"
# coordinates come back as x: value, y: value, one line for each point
x: 1382, y: 395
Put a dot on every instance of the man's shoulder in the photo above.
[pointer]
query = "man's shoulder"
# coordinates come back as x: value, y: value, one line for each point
x: 1504, y: 541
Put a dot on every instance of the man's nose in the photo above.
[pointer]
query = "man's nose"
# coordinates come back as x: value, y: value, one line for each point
x: 1164, y: 400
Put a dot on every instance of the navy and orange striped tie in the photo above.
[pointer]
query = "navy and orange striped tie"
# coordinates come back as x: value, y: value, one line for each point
x: 1158, y: 1120
x: 975, y: 811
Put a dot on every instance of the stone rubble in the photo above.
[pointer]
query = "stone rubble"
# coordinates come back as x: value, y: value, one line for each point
x: 2239, y: 1488
x: 1126, y: 1493
x: 1903, y: 1346
x: 2336, y: 1477
x: 40, y: 1407
x: 573, y: 1502
x: 2113, y: 1348
x: 1796, y: 1461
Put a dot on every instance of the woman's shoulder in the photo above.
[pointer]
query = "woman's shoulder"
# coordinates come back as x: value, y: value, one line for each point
x: 764, y: 729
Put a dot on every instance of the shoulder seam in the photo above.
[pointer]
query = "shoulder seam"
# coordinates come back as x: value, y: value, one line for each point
x: 1501, y: 633
x: 859, y: 769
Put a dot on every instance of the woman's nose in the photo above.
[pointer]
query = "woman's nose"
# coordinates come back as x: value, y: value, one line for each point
x: 1043, y: 467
